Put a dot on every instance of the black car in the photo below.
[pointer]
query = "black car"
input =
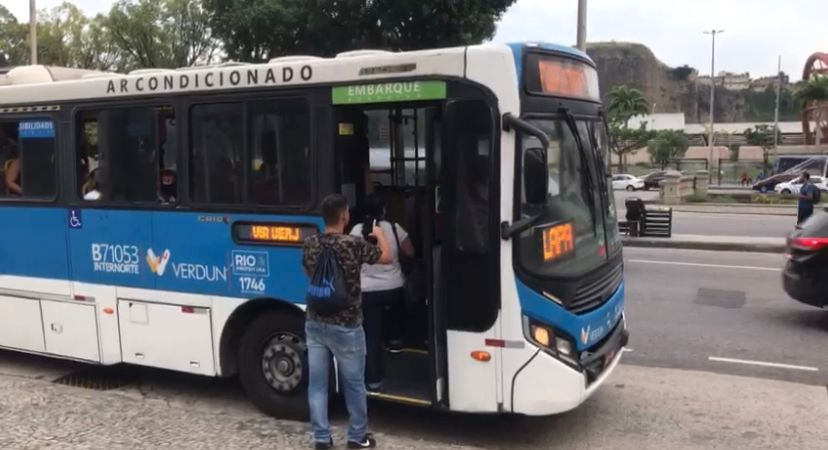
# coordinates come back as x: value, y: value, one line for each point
x: 767, y: 184
x: 651, y: 180
x: 806, y: 272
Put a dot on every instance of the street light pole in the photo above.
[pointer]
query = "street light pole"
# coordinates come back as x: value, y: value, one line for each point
x: 713, y: 33
x: 582, y: 18
x: 33, y: 30
x: 776, y: 110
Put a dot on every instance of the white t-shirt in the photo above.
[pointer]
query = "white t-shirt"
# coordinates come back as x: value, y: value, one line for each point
x: 383, y: 277
x: 92, y: 195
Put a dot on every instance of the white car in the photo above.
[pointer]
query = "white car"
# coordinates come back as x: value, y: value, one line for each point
x: 793, y: 186
x: 627, y: 182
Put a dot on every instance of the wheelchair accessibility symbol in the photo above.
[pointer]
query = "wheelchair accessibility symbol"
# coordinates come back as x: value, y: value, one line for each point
x: 75, y: 221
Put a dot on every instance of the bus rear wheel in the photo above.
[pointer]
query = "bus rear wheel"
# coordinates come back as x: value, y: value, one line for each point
x: 273, y: 365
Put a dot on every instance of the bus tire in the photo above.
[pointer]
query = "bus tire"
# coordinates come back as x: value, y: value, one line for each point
x: 273, y: 366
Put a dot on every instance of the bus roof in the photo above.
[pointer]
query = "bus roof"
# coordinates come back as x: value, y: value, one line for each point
x: 31, y: 85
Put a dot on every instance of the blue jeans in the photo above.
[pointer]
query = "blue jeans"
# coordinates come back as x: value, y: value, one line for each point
x: 347, y: 345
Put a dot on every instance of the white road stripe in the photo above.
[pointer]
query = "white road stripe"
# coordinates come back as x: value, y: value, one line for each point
x: 715, y: 266
x: 762, y: 363
x: 628, y: 350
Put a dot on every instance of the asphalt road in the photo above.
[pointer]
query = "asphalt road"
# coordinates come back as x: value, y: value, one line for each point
x: 716, y: 224
x: 693, y: 309
x: 732, y: 224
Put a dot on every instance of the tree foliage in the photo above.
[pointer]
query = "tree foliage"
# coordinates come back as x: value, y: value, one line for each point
x: 813, y: 90
x: 254, y: 30
x: 625, y: 140
x: 667, y: 146
x: 761, y: 136
x: 135, y: 33
x: 161, y: 33
x: 624, y: 103
x: 13, y: 47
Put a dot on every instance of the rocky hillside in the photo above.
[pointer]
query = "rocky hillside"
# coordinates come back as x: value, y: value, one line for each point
x: 672, y: 89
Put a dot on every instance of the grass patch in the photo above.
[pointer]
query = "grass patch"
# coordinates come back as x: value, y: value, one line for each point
x: 695, y: 198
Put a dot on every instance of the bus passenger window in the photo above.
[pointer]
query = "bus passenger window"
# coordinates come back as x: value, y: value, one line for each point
x: 216, y: 153
x: 27, y: 152
x: 280, y: 155
x: 119, y: 153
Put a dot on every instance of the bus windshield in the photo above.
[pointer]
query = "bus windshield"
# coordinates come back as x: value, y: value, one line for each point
x: 577, y: 219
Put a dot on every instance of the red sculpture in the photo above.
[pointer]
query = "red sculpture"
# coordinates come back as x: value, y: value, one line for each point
x: 817, y: 112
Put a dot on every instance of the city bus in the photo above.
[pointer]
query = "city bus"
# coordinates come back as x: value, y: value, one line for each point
x: 156, y: 218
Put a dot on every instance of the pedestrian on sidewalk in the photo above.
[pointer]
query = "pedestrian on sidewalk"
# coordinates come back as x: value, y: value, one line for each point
x: 333, y: 327
x: 808, y: 195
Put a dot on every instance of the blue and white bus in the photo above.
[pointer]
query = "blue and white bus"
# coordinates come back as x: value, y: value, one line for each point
x: 156, y: 218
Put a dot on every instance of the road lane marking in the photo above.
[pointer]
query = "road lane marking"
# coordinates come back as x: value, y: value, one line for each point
x: 627, y: 350
x: 715, y: 266
x: 762, y: 363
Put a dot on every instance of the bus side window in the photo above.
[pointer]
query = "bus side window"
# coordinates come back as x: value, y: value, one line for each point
x: 280, y: 155
x: 27, y: 154
x: 118, y: 153
x: 216, y: 153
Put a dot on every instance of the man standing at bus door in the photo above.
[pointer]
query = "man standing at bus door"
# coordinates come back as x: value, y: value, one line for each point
x: 340, y: 334
x: 807, y: 197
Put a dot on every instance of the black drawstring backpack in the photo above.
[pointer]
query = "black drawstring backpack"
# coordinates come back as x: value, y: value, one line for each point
x: 327, y: 294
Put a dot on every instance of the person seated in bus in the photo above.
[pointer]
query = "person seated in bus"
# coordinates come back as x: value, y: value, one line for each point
x: 11, y: 170
x: 91, y: 189
x: 223, y: 182
x: 169, y: 186
x: 266, y: 177
x: 382, y: 290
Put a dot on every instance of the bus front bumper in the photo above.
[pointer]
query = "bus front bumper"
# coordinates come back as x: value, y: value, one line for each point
x: 547, y: 386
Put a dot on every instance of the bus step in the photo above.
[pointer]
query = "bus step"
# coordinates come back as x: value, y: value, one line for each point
x: 97, y: 378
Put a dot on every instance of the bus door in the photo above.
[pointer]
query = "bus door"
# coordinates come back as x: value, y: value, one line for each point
x: 466, y: 263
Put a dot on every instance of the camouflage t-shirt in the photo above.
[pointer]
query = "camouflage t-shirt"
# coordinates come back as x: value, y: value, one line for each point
x: 351, y: 253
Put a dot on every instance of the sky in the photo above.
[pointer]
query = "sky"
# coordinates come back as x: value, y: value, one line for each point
x: 756, y: 31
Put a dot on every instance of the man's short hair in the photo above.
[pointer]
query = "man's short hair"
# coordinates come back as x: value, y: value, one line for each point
x: 806, y: 175
x: 333, y: 206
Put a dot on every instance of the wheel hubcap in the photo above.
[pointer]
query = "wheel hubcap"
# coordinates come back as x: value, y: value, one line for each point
x: 282, y: 364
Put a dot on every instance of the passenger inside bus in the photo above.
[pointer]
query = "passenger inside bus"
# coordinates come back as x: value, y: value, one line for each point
x: 91, y: 189
x: 265, y: 185
x: 169, y: 186
x: 11, y: 171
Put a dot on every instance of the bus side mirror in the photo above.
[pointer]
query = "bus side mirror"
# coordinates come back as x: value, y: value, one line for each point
x: 535, y: 176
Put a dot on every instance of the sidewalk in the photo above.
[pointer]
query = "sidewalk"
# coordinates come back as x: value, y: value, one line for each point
x: 737, y: 208
x: 705, y: 242
x: 639, y: 408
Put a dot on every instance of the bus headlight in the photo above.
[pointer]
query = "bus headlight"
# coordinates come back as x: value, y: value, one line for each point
x: 563, y: 346
x: 541, y: 335
x: 545, y: 337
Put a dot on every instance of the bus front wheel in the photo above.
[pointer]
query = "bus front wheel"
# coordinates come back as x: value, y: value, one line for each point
x: 273, y: 365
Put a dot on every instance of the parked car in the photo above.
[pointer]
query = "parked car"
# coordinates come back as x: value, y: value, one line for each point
x: 769, y: 184
x: 805, y: 277
x: 651, y: 180
x: 793, y: 186
x: 627, y: 182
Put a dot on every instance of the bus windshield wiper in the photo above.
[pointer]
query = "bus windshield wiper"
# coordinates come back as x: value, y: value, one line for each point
x: 588, y: 185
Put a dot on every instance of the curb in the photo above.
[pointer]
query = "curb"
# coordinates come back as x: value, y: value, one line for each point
x: 715, y: 246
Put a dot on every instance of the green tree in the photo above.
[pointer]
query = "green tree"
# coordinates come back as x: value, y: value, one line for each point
x: 13, y: 48
x: 624, y: 103
x: 626, y: 141
x: 812, y: 95
x: 761, y: 136
x: 667, y: 146
x: 160, y: 33
x: 254, y: 30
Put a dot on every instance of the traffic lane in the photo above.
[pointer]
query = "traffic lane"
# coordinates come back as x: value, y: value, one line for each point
x: 754, y: 225
x: 724, y: 312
